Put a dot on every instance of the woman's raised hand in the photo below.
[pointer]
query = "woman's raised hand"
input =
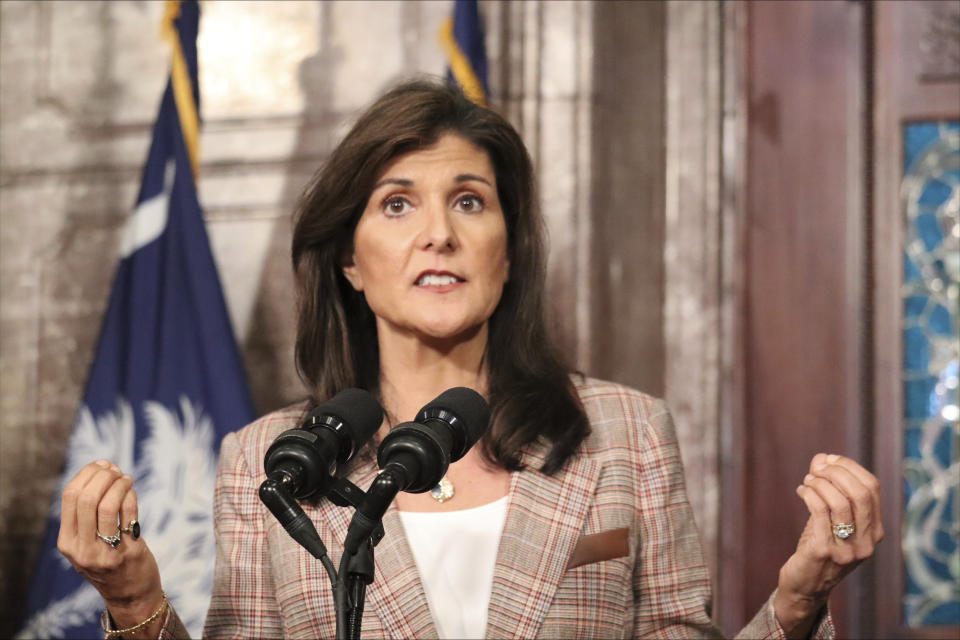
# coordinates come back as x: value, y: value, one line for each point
x: 97, y: 503
x: 844, y: 527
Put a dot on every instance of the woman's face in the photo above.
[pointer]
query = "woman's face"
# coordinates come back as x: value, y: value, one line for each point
x: 430, y: 250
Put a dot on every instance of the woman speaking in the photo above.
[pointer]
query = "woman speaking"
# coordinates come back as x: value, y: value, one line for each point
x: 419, y: 257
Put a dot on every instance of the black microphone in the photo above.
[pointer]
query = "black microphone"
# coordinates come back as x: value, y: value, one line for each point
x: 302, y: 462
x: 443, y: 432
x: 305, y: 459
x: 414, y: 456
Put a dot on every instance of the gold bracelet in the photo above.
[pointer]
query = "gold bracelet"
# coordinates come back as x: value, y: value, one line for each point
x: 120, y: 632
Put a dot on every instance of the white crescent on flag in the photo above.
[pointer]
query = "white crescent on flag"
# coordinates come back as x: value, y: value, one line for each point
x: 149, y: 219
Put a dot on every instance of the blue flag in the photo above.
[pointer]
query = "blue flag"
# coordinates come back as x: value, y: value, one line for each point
x: 167, y: 380
x: 462, y: 39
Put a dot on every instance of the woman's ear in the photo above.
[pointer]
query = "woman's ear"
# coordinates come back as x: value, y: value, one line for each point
x: 351, y: 272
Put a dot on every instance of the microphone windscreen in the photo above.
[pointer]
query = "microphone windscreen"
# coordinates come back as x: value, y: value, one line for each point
x: 470, y: 408
x: 357, y: 408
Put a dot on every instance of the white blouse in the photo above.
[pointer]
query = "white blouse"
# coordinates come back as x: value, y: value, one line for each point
x: 455, y: 552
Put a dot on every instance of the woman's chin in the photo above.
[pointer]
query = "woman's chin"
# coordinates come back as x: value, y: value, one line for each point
x: 448, y: 333
x: 435, y: 331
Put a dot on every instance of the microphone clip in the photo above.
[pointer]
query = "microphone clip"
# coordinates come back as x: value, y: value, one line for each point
x: 344, y: 493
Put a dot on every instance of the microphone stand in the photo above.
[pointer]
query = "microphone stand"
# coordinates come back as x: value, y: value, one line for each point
x: 356, y: 563
x: 358, y: 569
x: 275, y: 494
x: 363, y: 534
x: 357, y: 566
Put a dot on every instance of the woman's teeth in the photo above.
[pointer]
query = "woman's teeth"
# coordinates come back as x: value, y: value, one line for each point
x: 434, y: 280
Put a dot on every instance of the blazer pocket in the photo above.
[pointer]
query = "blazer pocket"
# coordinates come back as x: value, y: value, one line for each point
x: 598, y: 547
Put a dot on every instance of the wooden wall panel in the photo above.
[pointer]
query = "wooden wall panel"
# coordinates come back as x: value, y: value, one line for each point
x: 803, y: 269
x: 627, y: 222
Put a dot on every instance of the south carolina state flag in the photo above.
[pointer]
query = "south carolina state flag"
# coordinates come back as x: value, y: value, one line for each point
x: 461, y: 37
x: 167, y: 380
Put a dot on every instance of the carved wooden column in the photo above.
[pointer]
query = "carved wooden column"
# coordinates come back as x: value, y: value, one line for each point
x: 540, y: 61
x: 691, y: 314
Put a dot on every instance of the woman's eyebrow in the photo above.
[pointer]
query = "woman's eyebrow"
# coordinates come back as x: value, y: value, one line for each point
x: 464, y: 177
x: 403, y: 182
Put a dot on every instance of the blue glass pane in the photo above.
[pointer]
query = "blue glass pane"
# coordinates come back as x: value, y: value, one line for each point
x: 916, y: 138
x: 910, y: 271
x: 938, y: 569
x: 916, y: 394
x: 928, y: 228
x: 940, y: 321
x: 939, y: 270
x: 947, y: 516
x: 946, y: 613
x: 935, y: 194
x: 916, y: 350
x: 911, y: 442
x: 943, y: 447
x: 944, y: 541
x: 936, y: 404
x: 913, y: 306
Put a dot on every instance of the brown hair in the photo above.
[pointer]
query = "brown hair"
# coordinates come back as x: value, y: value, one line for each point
x: 531, y: 394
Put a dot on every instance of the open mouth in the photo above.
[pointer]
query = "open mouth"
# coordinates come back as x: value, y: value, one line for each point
x: 437, y: 280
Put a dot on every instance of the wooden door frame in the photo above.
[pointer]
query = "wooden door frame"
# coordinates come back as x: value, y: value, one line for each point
x: 902, y: 92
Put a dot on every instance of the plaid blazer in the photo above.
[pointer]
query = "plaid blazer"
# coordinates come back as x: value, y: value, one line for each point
x: 605, y: 548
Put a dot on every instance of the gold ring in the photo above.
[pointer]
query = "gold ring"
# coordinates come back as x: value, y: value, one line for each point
x: 133, y: 529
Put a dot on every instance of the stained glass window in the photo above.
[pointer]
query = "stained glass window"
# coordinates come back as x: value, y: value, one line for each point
x: 931, y: 350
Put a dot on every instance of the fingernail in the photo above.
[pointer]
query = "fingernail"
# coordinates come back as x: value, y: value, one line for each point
x: 799, y: 487
x: 114, y: 467
x: 127, y: 476
x: 807, y: 479
x: 103, y: 463
x: 820, y: 466
x: 832, y: 457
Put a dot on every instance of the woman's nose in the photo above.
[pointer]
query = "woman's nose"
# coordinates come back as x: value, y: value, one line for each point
x: 438, y: 233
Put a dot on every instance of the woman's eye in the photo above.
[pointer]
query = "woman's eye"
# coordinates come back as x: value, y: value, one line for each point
x: 396, y: 206
x: 469, y: 204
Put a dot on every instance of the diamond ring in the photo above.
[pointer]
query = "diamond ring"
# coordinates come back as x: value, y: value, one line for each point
x: 843, y: 530
x: 113, y: 541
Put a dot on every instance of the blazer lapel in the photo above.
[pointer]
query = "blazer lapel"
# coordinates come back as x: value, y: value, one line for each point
x: 542, y: 528
x: 396, y: 595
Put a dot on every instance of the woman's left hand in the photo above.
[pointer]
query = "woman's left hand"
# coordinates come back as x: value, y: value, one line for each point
x: 837, y: 491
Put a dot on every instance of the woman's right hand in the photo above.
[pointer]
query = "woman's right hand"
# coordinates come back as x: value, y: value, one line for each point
x: 126, y: 576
